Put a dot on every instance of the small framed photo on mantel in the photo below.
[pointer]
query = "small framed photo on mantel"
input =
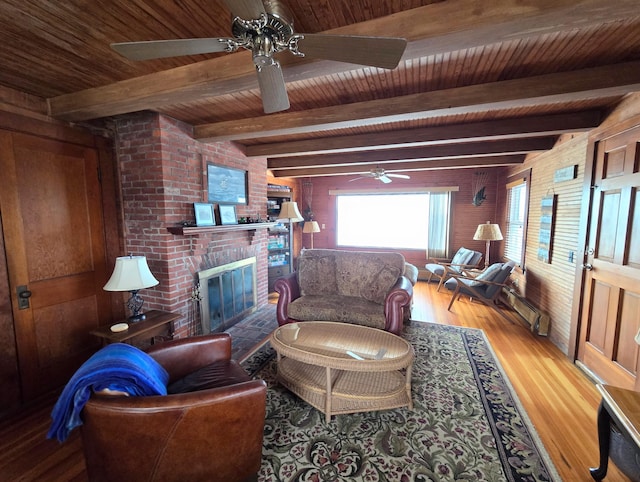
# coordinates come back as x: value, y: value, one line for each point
x: 204, y: 214
x: 227, y: 214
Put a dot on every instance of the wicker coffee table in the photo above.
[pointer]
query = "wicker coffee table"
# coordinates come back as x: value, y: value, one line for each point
x: 344, y: 368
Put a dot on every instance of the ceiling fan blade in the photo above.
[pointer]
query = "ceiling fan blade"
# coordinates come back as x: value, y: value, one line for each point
x: 157, y: 49
x: 356, y: 178
x: 400, y: 176
x: 384, y: 179
x: 383, y: 52
x: 272, y: 88
x: 245, y: 9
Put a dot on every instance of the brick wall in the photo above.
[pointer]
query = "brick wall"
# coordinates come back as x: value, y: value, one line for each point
x: 162, y: 173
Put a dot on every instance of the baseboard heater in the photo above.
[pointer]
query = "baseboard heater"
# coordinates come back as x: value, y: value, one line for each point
x: 537, y: 319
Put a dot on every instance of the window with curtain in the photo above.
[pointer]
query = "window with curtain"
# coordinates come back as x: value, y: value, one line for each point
x: 399, y: 220
x: 516, y: 222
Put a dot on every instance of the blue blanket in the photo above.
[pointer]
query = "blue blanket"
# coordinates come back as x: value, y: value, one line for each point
x: 117, y: 367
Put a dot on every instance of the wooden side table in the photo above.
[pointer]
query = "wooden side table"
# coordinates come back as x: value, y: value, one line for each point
x: 623, y: 408
x: 156, y: 323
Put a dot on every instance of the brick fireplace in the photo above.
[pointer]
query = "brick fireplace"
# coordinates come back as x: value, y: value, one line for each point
x: 162, y: 171
x: 227, y: 294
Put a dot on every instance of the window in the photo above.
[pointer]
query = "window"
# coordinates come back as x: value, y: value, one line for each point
x: 399, y: 221
x: 516, y: 222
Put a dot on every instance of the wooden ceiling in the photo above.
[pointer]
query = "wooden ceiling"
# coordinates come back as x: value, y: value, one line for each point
x: 481, y: 83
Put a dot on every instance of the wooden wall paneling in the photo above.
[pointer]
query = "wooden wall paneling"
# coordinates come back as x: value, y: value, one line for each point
x: 45, y: 128
x: 550, y: 286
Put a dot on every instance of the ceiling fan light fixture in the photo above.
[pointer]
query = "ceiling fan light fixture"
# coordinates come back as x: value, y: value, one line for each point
x: 379, y: 174
x: 278, y: 29
x: 265, y: 27
x: 262, y: 51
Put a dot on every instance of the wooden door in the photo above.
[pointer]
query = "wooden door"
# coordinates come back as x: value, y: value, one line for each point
x: 54, y: 238
x: 611, y: 304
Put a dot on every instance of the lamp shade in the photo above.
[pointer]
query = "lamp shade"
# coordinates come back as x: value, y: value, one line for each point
x: 130, y: 273
x: 290, y: 211
x: 488, y: 232
x: 311, y: 227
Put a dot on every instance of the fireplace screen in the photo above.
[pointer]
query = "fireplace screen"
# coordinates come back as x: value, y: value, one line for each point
x: 228, y: 293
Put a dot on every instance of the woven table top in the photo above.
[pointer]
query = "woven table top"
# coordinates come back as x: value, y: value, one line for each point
x: 342, y: 346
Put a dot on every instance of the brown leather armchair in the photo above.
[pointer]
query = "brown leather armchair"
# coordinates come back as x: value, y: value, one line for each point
x: 213, y: 434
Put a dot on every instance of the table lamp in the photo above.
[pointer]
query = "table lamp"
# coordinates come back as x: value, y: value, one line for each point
x: 487, y: 232
x: 132, y: 274
x: 311, y: 227
x: 289, y: 210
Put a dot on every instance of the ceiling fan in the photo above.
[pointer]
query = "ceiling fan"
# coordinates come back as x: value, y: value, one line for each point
x: 381, y: 175
x: 266, y: 28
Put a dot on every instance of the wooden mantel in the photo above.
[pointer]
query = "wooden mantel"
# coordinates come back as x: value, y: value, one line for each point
x: 198, y: 230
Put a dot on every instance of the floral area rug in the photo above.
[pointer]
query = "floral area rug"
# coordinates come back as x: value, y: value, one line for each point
x: 466, y: 425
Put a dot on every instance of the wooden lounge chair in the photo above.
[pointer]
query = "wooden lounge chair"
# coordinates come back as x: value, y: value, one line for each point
x: 443, y: 268
x: 485, y: 286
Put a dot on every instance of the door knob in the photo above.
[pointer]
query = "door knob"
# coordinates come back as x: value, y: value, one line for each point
x: 23, y: 297
x: 587, y: 267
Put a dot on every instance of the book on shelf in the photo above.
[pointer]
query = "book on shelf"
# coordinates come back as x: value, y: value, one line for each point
x: 279, y: 188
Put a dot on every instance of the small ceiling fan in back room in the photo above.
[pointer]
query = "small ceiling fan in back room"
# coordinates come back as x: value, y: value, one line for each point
x: 381, y: 176
x: 266, y: 28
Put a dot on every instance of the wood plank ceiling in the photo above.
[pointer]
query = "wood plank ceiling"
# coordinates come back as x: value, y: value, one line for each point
x: 481, y: 83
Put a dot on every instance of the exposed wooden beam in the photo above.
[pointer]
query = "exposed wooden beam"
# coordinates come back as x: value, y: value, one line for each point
x: 449, y: 151
x: 436, y: 28
x: 608, y: 80
x: 471, y: 132
x: 22, y: 100
x: 491, y: 161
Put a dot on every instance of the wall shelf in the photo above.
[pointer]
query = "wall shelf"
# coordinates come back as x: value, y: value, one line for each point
x: 280, y: 239
x: 198, y: 230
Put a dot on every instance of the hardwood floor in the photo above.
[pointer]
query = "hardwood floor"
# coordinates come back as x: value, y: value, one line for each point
x: 559, y: 399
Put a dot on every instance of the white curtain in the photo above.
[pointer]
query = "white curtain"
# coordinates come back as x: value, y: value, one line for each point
x: 438, y: 237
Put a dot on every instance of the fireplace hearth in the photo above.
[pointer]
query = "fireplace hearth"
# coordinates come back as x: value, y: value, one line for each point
x: 228, y: 293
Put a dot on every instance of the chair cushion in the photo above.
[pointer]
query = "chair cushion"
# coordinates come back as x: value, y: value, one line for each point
x: 436, y: 269
x: 348, y: 309
x: 215, y: 375
x: 411, y: 273
x: 487, y: 275
x: 462, y: 257
x: 332, y: 272
x: 317, y: 273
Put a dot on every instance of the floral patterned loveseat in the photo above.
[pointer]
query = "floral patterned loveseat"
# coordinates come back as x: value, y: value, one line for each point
x: 360, y: 287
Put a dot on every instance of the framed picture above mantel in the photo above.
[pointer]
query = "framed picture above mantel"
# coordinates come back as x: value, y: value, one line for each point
x: 226, y: 185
